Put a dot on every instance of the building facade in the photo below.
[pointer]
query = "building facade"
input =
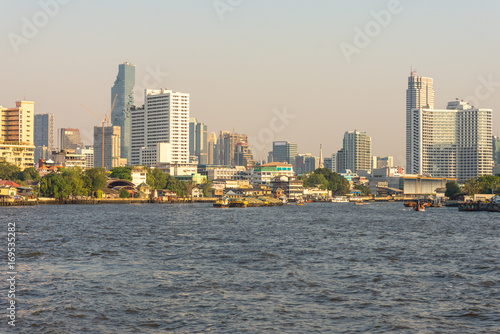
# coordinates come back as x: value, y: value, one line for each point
x: 454, y: 142
x: 227, y: 146
x: 123, y: 90
x: 212, y: 153
x: 17, y: 134
x: 88, y: 152
x: 420, y: 94
x: 44, y: 130
x: 356, y: 152
x: 198, y: 140
x: 107, y: 151
x: 284, y: 151
x: 164, y: 119
x: 69, y: 139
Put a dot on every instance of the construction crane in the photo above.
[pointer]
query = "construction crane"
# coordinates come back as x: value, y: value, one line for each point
x: 104, y: 121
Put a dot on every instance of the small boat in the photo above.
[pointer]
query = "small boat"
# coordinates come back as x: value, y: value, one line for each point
x: 222, y: 203
x: 340, y: 199
x: 419, y: 206
x: 360, y: 203
x: 237, y: 203
x: 300, y: 202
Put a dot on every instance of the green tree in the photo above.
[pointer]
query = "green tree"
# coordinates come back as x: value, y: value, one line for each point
x: 95, y: 178
x: 489, y: 183
x: 452, y: 189
x: 30, y: 173
x: 365, y: 191
x: 122, y: 173
x: 54, y: 185
x: 8, y: 170
x: 75, y: 179
x: 207, y: 188
x: 472, y: 187
x: 156, y: 179
x: 175, y: 185
x: 124, y: 193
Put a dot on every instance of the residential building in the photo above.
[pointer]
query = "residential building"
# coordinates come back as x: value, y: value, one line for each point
x: 212, y: 155
x: 123, y: 91
x: 198, y: 141
x: 227, y: 146
x: 263, y: 174
x: 381, y: 162
x: 138, y: 174
x: 177, y: 169
x: 454, y: 142
x: 17, y: 134
x: 420, y: 94
x: 69, y: 139
x: 44, y: 130
x: 164, y: 120
x: 292, y: 188
x: 223, y: 172
x: 331, y: 163
x: 356, y: 152
x: 69, y: 159
x: 88, y: 151
x: 284, y: 151
x: 496, y: 150
x: 111, y: 149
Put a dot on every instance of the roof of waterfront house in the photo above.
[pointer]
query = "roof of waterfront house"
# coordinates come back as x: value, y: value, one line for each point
x: 8, y: 183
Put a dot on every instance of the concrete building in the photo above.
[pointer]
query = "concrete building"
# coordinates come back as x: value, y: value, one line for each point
x: 227, y: 146
x: 17, y: 134
x: 123, y: 90
x: 177, y: 169
x: 331, y: 163
x: 243, y: 155
x: 212, y: 155
x: 88, y: 151
x: 381, y: 162
x: 306, y: 163
x: 111, y: 147
x: 263, y: 174
x: 198, y: 140
x: 292, y: 188
x: 223, y: 172
x: 356, y: 152
x: 44, y: 130
x: 138, y: 174
x: 164, y: 120
x: 69, y: 139
x: 422, y: 185
x: 454, y: 142
x: 284, y: 151
x: 496, y: 150
x: 420, y: 94
x: 69, y: 159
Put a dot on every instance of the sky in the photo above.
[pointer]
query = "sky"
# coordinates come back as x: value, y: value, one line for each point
x: 302, y: 71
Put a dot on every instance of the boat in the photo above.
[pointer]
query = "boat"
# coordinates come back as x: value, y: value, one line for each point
x: 237, y: 203
x: 360, y: 203
x: 340, y: 199
x: 419, y: 207
x: 222, y: 203
x: 300, y: 201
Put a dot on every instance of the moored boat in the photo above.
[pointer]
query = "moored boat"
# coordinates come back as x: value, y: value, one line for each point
x: 340, y: 199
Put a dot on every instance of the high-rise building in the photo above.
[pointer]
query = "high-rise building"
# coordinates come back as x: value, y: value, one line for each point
x: 454, y: 142
x: 496, y: 150
x: 227, y: 146
x: 164, y: 120
x: 212, y: 152
x: 69, y: 139
x: 44, y: 130
x: 331, y: 163
x: 88, y: 152
x: 284, y: 151
x: 420, y: 94
x: 306, y: 163
x: 111, y: 147
x: 243, y: 155
x: 17, y: 134
x: 356, y: 152
x: 198, y: 141
x: 123, y: 90
x: 381, y: 162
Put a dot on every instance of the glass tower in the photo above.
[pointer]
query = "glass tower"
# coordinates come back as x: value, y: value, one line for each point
x: 123, y: 89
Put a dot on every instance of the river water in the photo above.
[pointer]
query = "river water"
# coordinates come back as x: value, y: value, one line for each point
x: 317, y: 268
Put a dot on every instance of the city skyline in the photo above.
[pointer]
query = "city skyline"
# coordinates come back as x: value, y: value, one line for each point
x: 293, y: 64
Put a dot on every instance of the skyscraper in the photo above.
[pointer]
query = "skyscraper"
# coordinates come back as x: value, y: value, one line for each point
x: 227, y: 146
x: 419, y: 94
x: 161, y: 129
x: 111, y: 147
x: 356, y: 152
x: 454, y: 142
x: 123, y: 90
x: 284, y: 151
x: 44, y: 130
x: 212, y: 152
x: 496, y: 150
x: 198, y: 141
x: 69, y: 139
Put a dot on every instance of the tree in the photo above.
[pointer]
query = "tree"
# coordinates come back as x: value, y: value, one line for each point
x: 122, y: 173
x: 472, y: 187
x: 124, y: 193
x: 326, y: 179
x: 95, y: 178
x: 8, y: 170
x: 175, y: 185
x: 156, y: 179
x: 489, y: 183
x: 75, y: 179
x: 452, y: 189
x: 365, y: 191
x: 207, y: 188
x: 54, y: 185
x: 30, y: 173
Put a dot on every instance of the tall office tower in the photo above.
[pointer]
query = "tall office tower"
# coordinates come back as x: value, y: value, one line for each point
x: 44, y: 130
x: 356, y: 152
x: 123, y: 90
x: 331, y: 163
x: 452, y: 142
x: 419, y: 94
x: 496, y: 150
x: 227, y: 146
x: 198, y: 141
x: 306, y: 163
x: 211, y: 145
x: 160, y: 131
x: 111, y: 147
x: 243, y: 155
x: 17, y: 134
x: 69, y: 139
x: 284, y: 151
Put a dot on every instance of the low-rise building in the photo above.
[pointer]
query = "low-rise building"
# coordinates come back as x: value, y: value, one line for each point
x: 291, y: 187
x: 264, y: 174
x: 69, y: 159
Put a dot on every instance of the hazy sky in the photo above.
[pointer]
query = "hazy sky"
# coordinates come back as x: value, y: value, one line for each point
x: 245, y: 61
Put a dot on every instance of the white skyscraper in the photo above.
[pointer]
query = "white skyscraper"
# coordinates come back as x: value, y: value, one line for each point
x: 356, y: 152
x: 160, y: 131
x: 419, y: 94
x: 454, y: 142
